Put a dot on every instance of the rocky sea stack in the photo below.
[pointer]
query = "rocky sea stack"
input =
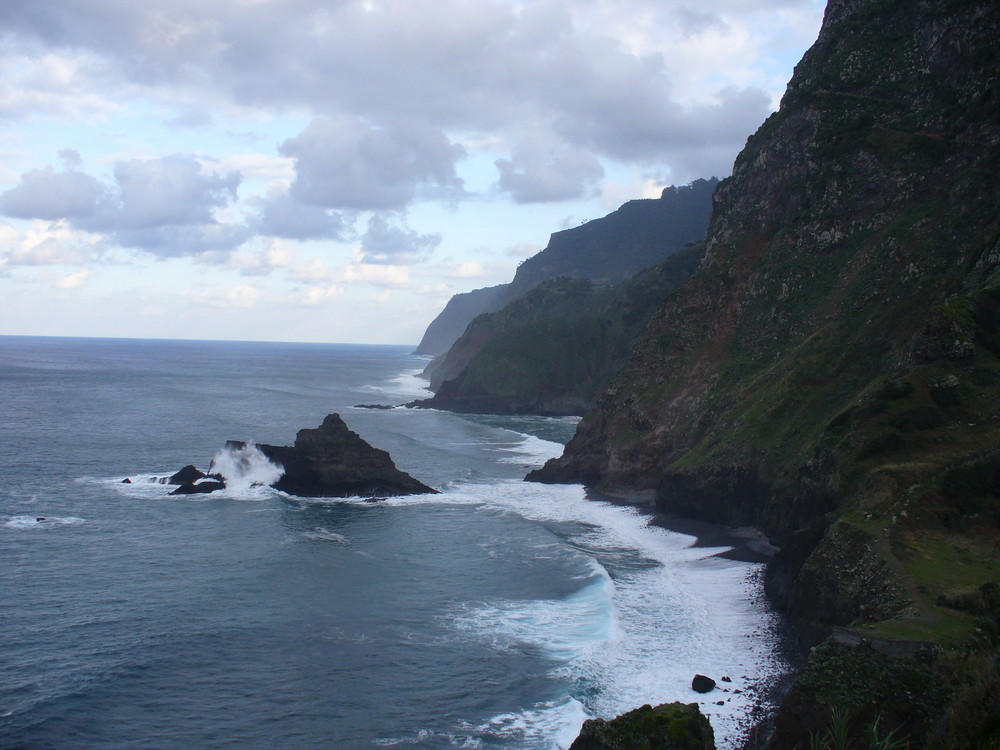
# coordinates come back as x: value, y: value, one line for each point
x: 332, y: 461
x: 326, y: 461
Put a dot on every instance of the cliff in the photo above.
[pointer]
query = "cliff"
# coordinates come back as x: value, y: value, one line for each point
x: 637, y: 236
x: 554, y: 350
x: 461, y: 310
x: 831, y: 374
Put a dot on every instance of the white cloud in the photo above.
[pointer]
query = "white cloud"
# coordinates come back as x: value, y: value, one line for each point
x: 240, y: 296
x: 165, y: 205
x: 316, y: 295
x: 73, y: 280
x: 377, y: 275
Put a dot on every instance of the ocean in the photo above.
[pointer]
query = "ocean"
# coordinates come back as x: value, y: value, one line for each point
x: 498, y: 614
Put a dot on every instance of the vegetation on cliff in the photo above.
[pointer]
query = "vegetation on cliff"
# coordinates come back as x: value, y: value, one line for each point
x: 554, y: 350
x: 606, y: 251
x: 832, y: 372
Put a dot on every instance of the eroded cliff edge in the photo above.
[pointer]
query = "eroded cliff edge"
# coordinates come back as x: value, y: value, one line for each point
x: 832, y: 372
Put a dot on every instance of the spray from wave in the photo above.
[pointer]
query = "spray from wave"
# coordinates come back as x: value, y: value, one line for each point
x: 242, y: 466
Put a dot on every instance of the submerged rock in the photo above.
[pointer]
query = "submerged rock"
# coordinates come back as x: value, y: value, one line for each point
x: 669, y: 726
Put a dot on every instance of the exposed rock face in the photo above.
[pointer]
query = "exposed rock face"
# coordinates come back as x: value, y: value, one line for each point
x: 188, y: 475
x: 333, y: 461
x: 669, y: 726
x: 639, y: 235
x: 856, y: 245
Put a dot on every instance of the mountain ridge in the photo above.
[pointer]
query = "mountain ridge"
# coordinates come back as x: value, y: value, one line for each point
x: 636, y: 236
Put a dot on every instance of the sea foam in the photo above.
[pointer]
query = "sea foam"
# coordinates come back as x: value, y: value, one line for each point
x: 40, y: 522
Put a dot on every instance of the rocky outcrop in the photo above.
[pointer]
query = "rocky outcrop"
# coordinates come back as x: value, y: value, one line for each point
x: 332, y: 461
x: 326, y: 461
x: 831, y: 373
x: 669, y: 726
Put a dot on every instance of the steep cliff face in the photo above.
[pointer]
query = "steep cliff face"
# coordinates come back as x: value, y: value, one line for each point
x: 606, y: 251
x: 461, y: 310
x: 553, y: 351
x: 855, y: 244
x: 836, y: 355
x: 640, y: 234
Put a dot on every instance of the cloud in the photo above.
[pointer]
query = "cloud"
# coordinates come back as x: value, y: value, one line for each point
x: 280, y: 215
x: 601, y: 75
x: 46, y: 243
x: 316, y: 295
x: 73, y: 280
x: 170, y: 191
x: 70, y: 158
x: 387, y: 244
x: 344, y: 162
x: 165, y: 206
x: 240, y: 296
x: 542, y: 171
x: 393, y: 277
x: 47, y: 194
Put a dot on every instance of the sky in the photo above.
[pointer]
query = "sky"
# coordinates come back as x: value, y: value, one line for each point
x: 335, y: 170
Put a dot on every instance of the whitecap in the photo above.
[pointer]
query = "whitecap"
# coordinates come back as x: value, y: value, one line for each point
x: 41, y: 522
x: 320, y: 534
x: 556, y: 722
x: 564, y: 629
x: 532, y: 450
x: 243, y: 466
x: 677, y: 610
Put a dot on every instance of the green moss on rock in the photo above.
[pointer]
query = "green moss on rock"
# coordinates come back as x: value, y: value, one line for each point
x: 669, y: 726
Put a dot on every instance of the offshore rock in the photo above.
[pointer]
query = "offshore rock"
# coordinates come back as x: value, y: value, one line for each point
x: 702, y: 684
x: 198, y: 488
x: 333, y: 461
x: 669, y: 726
x: 188, y: 475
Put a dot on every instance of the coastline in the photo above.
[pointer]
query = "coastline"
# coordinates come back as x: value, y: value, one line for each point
x: 747, y: 545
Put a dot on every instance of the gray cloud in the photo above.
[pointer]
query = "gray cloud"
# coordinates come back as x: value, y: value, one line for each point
x: 452, y: 65
x: 543, y: 171
x: 387, y: 244
x: 343, y: 162
x: 50, y: 195
x: 281, y: 216
x: 169, y: 191
x: 165, y: 206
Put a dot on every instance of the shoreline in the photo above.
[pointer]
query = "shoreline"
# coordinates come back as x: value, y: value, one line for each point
x: 747, y: 545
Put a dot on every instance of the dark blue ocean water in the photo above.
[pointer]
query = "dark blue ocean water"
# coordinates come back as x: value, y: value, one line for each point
x: 499, y: 614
